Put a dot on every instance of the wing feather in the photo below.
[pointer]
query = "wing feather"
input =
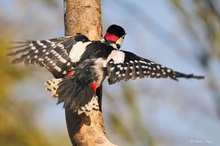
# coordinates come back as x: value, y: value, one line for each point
x: 134, y: 67
x: 52, y: 54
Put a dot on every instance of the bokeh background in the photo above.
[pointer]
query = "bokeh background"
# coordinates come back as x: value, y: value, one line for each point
x: 181, y: 34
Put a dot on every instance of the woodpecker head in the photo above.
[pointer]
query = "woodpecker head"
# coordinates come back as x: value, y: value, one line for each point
x: 114, y: 36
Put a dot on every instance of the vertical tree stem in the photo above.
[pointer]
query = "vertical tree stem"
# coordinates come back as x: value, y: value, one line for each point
x: 84, y: 16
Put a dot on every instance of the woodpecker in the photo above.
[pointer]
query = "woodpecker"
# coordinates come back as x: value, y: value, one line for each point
x: 60, y: 55
x: 81, y: 65
x: 78, y: 89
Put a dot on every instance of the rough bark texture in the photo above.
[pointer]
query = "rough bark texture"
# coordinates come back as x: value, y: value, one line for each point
x: 84, y: 16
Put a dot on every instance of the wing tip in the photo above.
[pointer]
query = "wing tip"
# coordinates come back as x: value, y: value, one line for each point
x: 189, y: 76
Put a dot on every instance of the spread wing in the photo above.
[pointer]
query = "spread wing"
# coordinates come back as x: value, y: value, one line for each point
x: 52, y: 54
x: 133, y: 67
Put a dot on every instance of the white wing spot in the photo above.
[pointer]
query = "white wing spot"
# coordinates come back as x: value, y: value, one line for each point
x: 142, y: 61
x: 117, y: 73
x: 33, y: 48
x: 144, y: 67
x: 40, y: 59
x: 60, y: 45
x: 68, y: 64
x: 53, y: 45
x: 63, y: 60
x: 58, y: 68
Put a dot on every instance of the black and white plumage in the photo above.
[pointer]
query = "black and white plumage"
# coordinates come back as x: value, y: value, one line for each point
x: 64, y: 54
x: 57, y: 55
x: 60, y: 55
x: 78, y: 91
x: 91, y: 62
x: 133, y: 67
x: 114, y: 64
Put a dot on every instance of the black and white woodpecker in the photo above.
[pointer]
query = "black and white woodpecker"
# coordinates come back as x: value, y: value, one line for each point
x: 60, y: 55
x: 82, y: 65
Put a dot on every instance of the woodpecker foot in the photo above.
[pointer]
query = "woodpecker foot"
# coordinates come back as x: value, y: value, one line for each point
x: 52, y: 85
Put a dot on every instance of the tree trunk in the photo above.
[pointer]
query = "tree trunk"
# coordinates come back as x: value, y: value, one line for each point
x: 84, y: 16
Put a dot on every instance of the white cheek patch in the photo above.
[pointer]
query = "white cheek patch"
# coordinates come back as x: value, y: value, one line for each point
x: 116, y: 56
x: 77, y: 50
x: 120, y: 41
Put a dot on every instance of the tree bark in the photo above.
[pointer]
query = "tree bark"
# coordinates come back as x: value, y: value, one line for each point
x: 84, y: 16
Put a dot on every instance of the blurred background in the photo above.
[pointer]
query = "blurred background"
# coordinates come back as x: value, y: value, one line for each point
x: 181, y: 34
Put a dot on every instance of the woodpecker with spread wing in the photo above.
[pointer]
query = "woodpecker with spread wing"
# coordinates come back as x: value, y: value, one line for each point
x: 61, y: 55
x: 83, y: 65
x: 77, y: 90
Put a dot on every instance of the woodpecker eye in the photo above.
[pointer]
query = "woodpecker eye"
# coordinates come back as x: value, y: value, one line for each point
x: 118, y: 46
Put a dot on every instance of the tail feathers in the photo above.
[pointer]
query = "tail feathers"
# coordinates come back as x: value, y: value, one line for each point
x: 77, y: 95
x: 52, y: 85
x: 187, y: 76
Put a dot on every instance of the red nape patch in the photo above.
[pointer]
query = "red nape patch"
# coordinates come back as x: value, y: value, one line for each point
x: 94, y: 86
x: 111, y: 37
x: 70, y: 73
